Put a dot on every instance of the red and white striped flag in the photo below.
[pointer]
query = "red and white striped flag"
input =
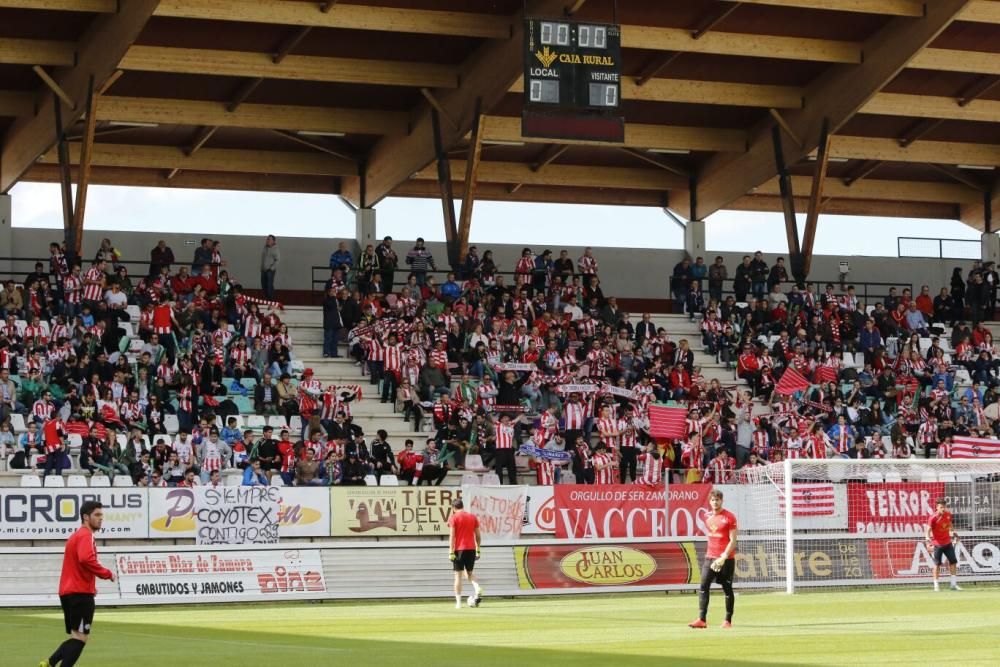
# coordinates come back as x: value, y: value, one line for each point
x: 667, y: 422
x: 975, y: 448
x: 824, y: 374
x: 791, y: 381
x: 810, y: 500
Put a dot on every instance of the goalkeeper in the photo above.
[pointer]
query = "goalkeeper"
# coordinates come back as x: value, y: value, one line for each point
x: 464, y: 544
x: 720, y: 560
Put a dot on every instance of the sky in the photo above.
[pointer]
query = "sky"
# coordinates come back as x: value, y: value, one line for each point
x: 207, y: 212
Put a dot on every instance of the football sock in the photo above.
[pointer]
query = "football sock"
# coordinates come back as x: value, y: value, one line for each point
x: 730, y: 602
x: 475, y: 585
x: 954, y: 580
x: 703, y: 605
x: 72, y: 652
x: 60, y: 652
x: 458, y: 598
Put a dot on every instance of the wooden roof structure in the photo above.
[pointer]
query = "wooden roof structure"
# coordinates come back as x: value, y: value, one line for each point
x: 875, y: 107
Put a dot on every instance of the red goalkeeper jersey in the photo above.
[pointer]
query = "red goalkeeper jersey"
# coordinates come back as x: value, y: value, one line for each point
x: 464, y: 524
x: 940, y: 525
x: 720, y: 528
x: 80, y: 565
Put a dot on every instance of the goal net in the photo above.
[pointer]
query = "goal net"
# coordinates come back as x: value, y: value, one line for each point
x: 848, y: 522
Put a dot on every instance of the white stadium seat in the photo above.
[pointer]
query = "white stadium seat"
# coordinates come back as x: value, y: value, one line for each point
x: 54, y: 481
x: 277, y: 480
x: 76, y: 481
x: 171, y: 424
x: 31, y: 481
x: 371, y: 480
x: 123, y: 481
x: 17, y: 421
x: 389, y: 480
x: 100, y: 481
x: 256, y: 422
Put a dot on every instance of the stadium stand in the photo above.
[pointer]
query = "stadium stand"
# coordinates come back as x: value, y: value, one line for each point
x: 165, y: 380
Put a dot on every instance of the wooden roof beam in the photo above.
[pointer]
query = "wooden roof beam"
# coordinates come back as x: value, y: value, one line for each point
x: 472, y: 25
x: 251, y: 116
x: 298, y: 68
x: 880, y: 190
x: 837, y: 94
x: 16, y: 51
x: 342, y: 16
x: 563, y: 175
x: 96, y: 6
x: 930, y: 106
x: 921, y: 152
x: 212, y: 159
x: 47, y: 173
x: 99, y: 51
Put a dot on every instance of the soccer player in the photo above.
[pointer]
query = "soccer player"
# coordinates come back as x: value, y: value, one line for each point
x: 941, y: 535
x: 77, y: 586
x: 720, y: 560
x: 464, y: 542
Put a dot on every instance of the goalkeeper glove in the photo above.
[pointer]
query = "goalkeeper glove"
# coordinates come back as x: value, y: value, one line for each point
x: 477, y: 553
x: 717, y: 564
x: 452, y: 556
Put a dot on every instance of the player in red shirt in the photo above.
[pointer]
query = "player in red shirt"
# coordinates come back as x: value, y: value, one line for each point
x: 77, y: 586
x: 720, y: 560
x: 464, y: 542
x: 941, y: 535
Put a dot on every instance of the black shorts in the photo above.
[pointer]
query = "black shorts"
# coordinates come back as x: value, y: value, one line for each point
x: 465, y: 560
x: 78, y: 612
x: 723, y: 577
x: 940, y: 553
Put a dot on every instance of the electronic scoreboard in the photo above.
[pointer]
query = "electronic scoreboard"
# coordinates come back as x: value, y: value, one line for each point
x: 572, y: 80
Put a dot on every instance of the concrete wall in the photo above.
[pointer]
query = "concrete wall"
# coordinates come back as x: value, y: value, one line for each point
x: 637, y: 273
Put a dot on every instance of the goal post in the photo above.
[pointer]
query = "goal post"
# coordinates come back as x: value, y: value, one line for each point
x: 850, y: 522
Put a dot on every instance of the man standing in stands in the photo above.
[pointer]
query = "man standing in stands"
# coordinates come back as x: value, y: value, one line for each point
x: 388, y: 261
x: 77, y: 585
x: 270, y: 256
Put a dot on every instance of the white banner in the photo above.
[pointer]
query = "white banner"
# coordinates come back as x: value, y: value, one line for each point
x: 236, y: 514
x: 53, y: 514
x: 500, y: 510
x: 526, y: 368
x: 539, y: 511
x: 302, y: 512
x: 620, y: 391
x: 577, y: 388
x: 187, y: 576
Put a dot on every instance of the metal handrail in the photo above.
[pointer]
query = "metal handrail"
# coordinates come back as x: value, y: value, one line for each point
x: 940, y: 247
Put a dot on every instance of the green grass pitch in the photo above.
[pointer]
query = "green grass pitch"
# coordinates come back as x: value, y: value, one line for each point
x: 856, y: 628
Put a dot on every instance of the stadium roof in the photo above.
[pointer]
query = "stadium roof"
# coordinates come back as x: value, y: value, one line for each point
x: 305, y: 96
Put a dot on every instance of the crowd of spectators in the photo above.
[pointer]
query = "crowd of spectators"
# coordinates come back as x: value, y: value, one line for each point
x: 495, y: 362
x: 145, y: 377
